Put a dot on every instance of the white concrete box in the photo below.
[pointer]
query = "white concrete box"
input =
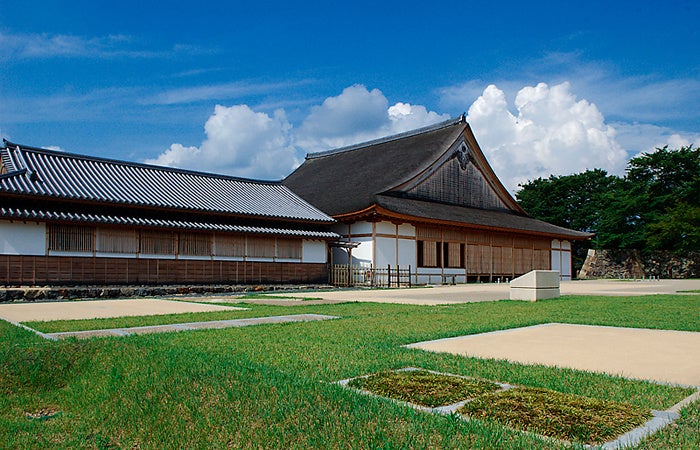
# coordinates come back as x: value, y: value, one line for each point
x: 535, y: 285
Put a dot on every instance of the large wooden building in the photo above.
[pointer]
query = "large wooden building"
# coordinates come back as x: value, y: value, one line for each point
x: 429, y: 199
x: 72, y: 219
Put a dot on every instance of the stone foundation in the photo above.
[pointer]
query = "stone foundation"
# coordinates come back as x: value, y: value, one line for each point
x: 634, y: 264
x: 58, y: 293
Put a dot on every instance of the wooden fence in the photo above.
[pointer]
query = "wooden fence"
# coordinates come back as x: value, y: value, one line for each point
x: 345, y: 275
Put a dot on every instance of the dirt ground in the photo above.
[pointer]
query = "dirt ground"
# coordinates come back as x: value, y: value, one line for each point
x: 466, y: 293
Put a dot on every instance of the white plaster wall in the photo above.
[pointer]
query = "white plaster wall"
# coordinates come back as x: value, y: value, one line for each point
x: 18, y: 238
x: 565, y: 265
x: 556, y: 260
x: 406, y: 229
x: 362, y: 254
x: 385, y: 252
x: 386, y: 228
x: 407, y: 253
x: 313, y: 251
x: 561, y: 261
x: 359, y: 228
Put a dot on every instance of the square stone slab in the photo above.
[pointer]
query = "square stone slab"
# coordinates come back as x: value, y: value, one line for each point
x: 659, y: 355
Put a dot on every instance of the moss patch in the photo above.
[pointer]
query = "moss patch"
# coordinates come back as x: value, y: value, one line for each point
x: 562, y: 416
x: 422, y: 387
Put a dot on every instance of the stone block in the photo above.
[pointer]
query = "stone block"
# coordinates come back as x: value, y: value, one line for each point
x: 535, y: 285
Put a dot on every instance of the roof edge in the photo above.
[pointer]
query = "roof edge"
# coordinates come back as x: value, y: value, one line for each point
x: 122, y: 162
x: 405, y: 134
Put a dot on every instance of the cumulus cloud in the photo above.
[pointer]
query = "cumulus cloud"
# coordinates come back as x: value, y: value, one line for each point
x: 549, y: 131
x: 358, y: 115
x: 546, y: 130
x: 243, y: 142
x: 239, y: 141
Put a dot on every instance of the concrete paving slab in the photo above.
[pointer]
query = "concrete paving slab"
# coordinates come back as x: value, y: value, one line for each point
x: 481, y: 292
x: 98, y: 309
x: 659, y: 355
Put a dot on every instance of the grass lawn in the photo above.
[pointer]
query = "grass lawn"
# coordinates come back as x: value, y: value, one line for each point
x: 271, y: 386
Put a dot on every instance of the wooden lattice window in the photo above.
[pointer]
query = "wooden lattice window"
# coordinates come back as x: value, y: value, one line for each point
x: 453, y: 254
x: 429, y: 253
x: 261, y: 247
x: 157, y: 242
x: 117, y: 241
x: 289, y: 248
x: 71, y: 238
x: 194, y: 244
x: 229, y: 245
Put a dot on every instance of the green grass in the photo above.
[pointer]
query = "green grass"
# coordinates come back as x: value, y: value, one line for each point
x: 561, y: 416
x: 271, y: 386
x: 423, y: 388
x: 243, y: 298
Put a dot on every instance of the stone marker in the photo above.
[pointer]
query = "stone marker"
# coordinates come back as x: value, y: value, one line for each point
x: 535, y: 285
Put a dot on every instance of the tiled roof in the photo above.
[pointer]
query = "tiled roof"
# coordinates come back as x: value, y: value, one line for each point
x: 41, y: 215
x: 347, y: 180
x: 475, y: 216
x: 53, y: 174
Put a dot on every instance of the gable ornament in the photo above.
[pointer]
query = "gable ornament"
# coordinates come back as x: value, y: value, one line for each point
x: 462, y: 155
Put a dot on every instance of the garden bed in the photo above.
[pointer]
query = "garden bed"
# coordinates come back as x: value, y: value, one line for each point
x: 554, y: 415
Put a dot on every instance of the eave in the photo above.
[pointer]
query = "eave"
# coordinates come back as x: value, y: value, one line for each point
x: 377, y: 213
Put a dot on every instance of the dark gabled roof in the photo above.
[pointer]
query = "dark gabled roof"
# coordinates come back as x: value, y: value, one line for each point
x: 350, y: 181
x: 53, y: 174
x: 61, y: 216
x: 474, y: 216
x: 347, y: 180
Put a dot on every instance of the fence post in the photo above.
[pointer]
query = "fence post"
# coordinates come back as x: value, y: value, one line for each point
x: 388, y: 275
x: 409, y: 275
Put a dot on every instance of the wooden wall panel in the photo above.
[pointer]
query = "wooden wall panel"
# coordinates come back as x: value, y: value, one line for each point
x: 18, y: 270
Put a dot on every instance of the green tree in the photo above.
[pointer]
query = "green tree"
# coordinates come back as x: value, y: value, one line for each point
x: 664, y: 192
x: 578, y: 202
x: 655, y: 206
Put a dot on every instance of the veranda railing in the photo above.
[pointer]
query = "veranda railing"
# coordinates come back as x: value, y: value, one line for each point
x: 345, y: 275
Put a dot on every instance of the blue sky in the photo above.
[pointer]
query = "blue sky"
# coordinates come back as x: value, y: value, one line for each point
x: 248, y: 88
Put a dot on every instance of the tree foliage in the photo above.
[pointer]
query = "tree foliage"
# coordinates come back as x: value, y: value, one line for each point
x: 655, y: 206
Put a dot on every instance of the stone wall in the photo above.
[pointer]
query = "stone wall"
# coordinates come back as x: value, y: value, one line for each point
x: 57, y: 293
x: 635, y: 264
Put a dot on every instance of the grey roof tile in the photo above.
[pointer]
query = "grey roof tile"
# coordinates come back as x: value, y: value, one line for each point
x: 53, y: 174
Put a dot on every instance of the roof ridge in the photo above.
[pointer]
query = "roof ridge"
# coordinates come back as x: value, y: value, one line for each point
x: 394, y: 137
x: 137, y: 164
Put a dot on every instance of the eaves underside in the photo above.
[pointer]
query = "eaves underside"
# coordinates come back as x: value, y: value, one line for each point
x: 377, y: 213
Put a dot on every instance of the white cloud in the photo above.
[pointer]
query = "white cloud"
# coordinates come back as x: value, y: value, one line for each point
x: 31, y: 46
x: 216, y: 92
x: 550, y: 132
x: 358, y: 115
x: 239, y: 141
x: 243, y: 142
